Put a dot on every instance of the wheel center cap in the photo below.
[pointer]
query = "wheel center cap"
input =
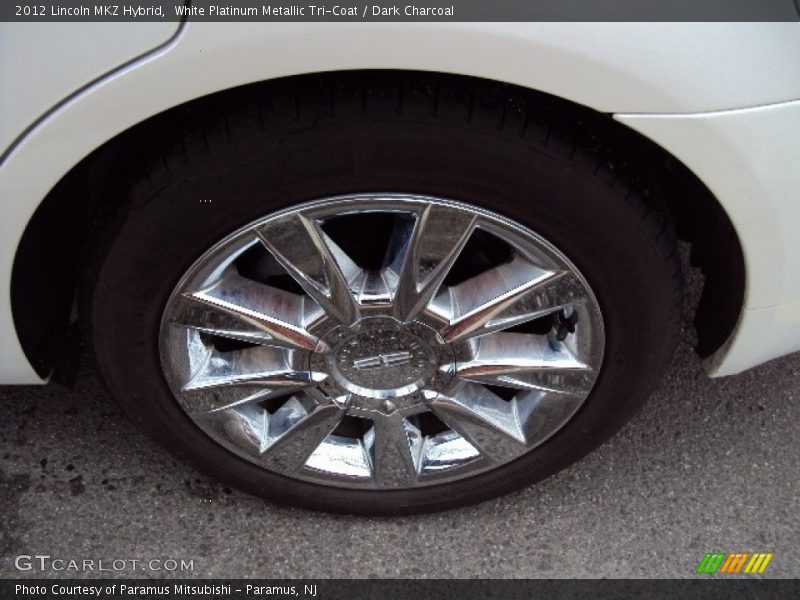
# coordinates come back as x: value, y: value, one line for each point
x: 383, y: 361
x: 380, y: 358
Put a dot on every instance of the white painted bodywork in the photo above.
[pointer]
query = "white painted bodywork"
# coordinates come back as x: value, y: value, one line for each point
x: 750, y: 160
x: 692, y: 88
x: 41, y: 64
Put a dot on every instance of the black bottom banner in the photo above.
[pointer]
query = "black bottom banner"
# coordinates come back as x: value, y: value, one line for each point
x: 399, y: 589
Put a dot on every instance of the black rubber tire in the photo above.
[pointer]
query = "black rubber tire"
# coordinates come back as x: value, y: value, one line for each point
x: 486, y: 144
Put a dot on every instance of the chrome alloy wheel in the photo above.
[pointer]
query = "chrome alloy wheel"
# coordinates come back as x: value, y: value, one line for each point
x: 468, y: 342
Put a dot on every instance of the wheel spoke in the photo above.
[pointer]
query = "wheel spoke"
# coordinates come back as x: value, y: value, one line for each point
x: 282, y: 440
x: 524, y: 361
x: 259, y: 366
x: 541, y: 413
x: 204, y: 400
x: 445, y: 450
x: 505, y: 296
x: 295, y: 435
x: 314, y: 260
x: 373, y: 289
x: 238, y: 308
x: 421, y: 254
x: 395, y: 447
x: 489, y: 423
x: 242, y: 428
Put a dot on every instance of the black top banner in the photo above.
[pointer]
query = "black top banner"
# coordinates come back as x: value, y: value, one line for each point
x: 401, y: 10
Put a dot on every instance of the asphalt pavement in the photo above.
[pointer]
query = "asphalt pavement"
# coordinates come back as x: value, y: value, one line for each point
x: 708, y: 465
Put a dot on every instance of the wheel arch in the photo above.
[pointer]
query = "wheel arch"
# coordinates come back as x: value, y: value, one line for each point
x: 55, y: 238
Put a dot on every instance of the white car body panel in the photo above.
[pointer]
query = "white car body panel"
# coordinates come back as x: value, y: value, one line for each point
x: 750, y: 160
x: 680, y: 84
x: 45, y: 62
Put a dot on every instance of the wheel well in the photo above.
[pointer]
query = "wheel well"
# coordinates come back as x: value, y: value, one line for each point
x: 54, y: 244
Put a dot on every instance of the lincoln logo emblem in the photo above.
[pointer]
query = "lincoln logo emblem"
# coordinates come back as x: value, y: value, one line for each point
x: 382, y: 360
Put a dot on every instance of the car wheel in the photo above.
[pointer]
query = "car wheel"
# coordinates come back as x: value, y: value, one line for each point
x: 366, y: 299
